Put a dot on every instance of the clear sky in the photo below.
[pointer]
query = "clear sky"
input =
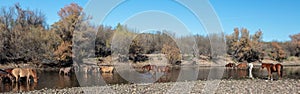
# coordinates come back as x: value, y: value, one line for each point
x: 276, y: 18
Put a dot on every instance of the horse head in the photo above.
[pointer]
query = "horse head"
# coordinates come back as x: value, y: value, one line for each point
x: 263, y: 65
x: 34, y: 75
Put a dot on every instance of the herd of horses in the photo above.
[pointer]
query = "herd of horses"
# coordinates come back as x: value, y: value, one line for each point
x: 269, y: 66
x: 156, y: 68
x: 110, y: 69
x: 86, y: 69
x: 14, y: 74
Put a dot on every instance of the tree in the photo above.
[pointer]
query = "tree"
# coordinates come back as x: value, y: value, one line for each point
x: 294, y: 46
x: 70, y: 17
x: 24, y: 37
x: 277, y: 52
x: 203, y: 44
x: 172, y: 53
x: 243, y: 47
x: 103, y: 41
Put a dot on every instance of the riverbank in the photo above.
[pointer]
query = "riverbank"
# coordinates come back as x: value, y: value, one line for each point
x: 245, y: 86
x: 108, y: 61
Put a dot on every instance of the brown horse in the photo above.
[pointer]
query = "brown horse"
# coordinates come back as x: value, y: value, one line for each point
x: 24, y: 72
x: 230, y: 65
x: 272, y: 68
x: 4, y: 75
x: 242, y: 66
x: 8, y: 70
x: 107, y: 69
x: 149, y: 67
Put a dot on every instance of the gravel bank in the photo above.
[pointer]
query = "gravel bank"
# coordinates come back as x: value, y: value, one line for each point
x: 255, y: 86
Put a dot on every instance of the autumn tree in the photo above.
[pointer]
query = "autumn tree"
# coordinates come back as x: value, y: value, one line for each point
x: 172, y: 53
x: 277, y: 52
x: 294, y: 45
x: 170, y: 49
x: 243, y: 47
x: 70, y: 16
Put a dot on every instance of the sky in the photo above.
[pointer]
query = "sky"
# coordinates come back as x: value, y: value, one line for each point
x: 276, y: 18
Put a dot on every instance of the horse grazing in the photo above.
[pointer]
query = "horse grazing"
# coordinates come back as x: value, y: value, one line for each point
x: 242, y: 66
x: 149, y: 67
x: 107, y: 69
x: 24, y: 72
x: 65, y: 71
x: 272, y: 68
x: 230, y: 65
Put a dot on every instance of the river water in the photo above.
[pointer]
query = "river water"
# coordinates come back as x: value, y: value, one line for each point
x: 51, y: 79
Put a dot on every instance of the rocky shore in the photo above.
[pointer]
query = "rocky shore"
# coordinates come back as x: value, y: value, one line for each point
x: 245, y: 86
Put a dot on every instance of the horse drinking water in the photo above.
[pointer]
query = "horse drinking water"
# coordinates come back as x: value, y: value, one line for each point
x: 230, y: 65
x: 272, y: 68
x: 149, y: 67
x: 24, y: 72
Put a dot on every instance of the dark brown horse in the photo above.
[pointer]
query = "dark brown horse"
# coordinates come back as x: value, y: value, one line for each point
x: 8, y: 70
x: 230, y: 65
x: 6, y: 74
x: 149, y: 67
x: 272, y: 68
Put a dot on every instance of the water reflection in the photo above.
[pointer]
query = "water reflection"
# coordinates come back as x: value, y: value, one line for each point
x: 51, y: 79
x: 235, y: 74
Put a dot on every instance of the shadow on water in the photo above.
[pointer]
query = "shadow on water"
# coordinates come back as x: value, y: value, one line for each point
x: 51, y: 79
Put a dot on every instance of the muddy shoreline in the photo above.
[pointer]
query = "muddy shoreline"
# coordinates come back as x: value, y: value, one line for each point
x: 255, y: 86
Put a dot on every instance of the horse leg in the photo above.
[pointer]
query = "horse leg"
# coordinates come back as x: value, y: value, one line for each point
x: 28, y: 79
x: 271, y: 76
x: 281, y: 69
x: 17, y: 79
x: 269, y: 73
x: 279, y: 73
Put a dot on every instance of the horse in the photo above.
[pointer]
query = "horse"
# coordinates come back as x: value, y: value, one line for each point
x: 149, y: 67
x: 86, y: 69
x: 107, y: 69
x: 230, y: 65
x: 95, y: 69
x: 5, y: 75
x: 163, y: 69
x: 65, y: 71
x: 242, y: 66
x: 8, y: 70
x: 272, y: 68
x: 24, y: 72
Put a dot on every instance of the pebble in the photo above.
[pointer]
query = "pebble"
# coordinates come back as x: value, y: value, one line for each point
x: 252, y: 86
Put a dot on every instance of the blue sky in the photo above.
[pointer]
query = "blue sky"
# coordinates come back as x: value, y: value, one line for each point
x: 276, y: 18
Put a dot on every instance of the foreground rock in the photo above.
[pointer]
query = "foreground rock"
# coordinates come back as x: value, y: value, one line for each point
x: 256, y: 86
